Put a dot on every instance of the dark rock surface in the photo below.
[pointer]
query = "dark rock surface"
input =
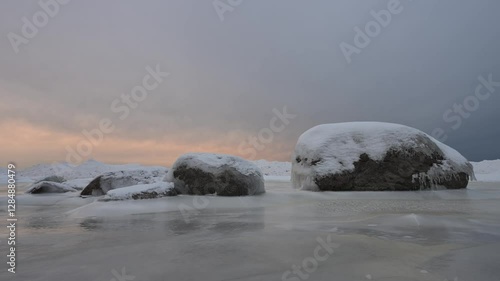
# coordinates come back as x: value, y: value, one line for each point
x: 395, y: 173
x: 223, y: 175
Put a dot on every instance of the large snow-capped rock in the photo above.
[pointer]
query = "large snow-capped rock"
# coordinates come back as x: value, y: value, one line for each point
x: 375, y: 156
x: 223, y: 175
x: 113, y: 180
x: 142, y: 191
x: 49, y: 187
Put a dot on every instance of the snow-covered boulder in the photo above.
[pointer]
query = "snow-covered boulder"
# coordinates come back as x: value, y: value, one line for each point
x: 142, y: 191
x: 223, y: 175
x: 374, y: 156
x: 53, y: 178
x: 113, y: 180
x: 49, y: 187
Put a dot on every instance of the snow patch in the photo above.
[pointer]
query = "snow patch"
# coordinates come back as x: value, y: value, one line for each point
x: 142, y: 191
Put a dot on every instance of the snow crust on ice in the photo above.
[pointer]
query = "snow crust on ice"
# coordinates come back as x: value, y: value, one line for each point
x: 340, y: 145
x: 161, y: 189
x: 280, y: 194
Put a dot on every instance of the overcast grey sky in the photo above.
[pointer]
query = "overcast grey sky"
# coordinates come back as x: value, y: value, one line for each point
x: 226, y: 77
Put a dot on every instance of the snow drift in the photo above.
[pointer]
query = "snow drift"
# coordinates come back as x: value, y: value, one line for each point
x: 143, y: 191
x: 375, y: 156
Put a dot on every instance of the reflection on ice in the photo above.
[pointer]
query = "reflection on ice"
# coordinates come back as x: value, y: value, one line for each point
x: 386, y: 236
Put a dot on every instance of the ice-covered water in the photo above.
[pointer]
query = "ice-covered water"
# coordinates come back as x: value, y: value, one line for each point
x: 428, y: 235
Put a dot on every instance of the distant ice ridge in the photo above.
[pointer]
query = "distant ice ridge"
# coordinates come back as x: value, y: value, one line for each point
x: 487, y: 167
x: 88, y: 169
x: 487, y: 170
x: 93, y: 168
x: 274, y: 168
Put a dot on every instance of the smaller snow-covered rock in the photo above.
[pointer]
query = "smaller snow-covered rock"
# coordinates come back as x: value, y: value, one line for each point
x: 142, y: 191
x: 53, y: 178
x: 49, y: 187
x: 223, y: 175
x: 113, y: 180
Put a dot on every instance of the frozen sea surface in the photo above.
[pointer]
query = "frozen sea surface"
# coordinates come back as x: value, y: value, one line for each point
x: 431, y: 235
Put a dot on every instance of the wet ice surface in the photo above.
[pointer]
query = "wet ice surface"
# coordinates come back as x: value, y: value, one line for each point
x: 437, y: 235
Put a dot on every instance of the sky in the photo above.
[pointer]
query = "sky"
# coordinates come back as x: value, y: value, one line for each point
x: 220, y: 74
